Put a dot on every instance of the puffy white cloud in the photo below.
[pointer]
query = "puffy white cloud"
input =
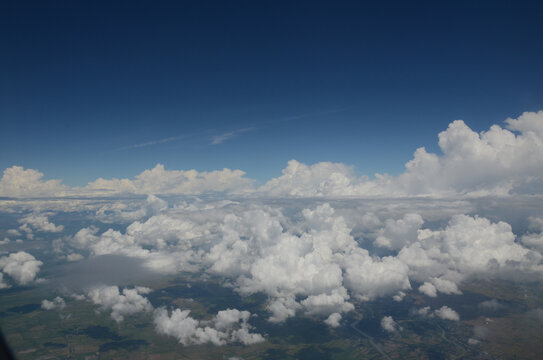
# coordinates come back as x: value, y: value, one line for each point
x: 496, y: 161
x: 18, y: 182
x: 3, y: 284
x: 388, y: 324
x: 437, y: 284
x: 74, y: 257
x: 321, y: 179
x: 333, y: 320
x: 57, y: 303
x: 397, y: 234
x: 528, y: 122
x: 328, y: 303
x: 160, y: 181
x: 127, y: 302
x: 21, y: 266
x: 443, y: 312
x: 120, y: 211
x: 428, y: 289
x: 447, y: 313
x: 39, y: 222
x: 227, y: 326
x: 468, y: 246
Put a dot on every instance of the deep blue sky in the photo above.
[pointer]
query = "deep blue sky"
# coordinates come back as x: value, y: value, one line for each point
x: 353, y: 82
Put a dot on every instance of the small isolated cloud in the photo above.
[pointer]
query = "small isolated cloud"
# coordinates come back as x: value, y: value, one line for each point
x: 491, y: 305
x: 227, y: 326
x: 127, y: 302
x: 219, y: 139
x: 74, y: 257
x: 388, y: 324
x: 447, y: 313
x: 443, y: 312
x: 58, y: 303
x: 21, y: 267
x: 333, y: 320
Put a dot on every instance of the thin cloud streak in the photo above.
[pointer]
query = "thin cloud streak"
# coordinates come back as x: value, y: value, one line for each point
x: 219, y: 139
x: 154, y: 142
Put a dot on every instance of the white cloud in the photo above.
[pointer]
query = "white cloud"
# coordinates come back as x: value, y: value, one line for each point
x: 468, y: 246
x: 18, y: 182
x: 428, y: 289
x: 39, y: 222
x: 388, y: 324
x: 496, y: 161
x: 127, y: 302
x: 3, y: 284
x: 57, y: 303
x: 398, y: 233
x: 317, y: 264
x: 219, y: 139
x: 527, y: 122
x: 447, y: 313
x: 160, y: 181
x: 13, y: 232
x: 74, y: 257
x: 333, y: 320
x: 21, y: 266
x: 227, y: 326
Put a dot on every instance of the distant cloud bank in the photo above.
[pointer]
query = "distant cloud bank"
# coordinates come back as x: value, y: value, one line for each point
x: 500, y: 161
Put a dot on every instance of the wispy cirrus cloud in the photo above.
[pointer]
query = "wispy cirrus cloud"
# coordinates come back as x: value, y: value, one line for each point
x: 153, y: 142
x: 219, y: 139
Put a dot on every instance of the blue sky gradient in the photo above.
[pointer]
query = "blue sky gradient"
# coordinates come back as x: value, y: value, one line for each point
x: 93, y: 90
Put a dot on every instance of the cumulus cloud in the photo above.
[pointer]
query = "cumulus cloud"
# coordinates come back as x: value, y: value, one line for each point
x: 398, y: 233
x: 428, y: 289
x: 121, y: 303
x: 18, y: 182
x: 388, y: 324
x: 497, y: 161
x: 39, y: 222
x: 447, y: 313
x: 120, y: 211
x: 468, y: 246
x: 21, y: 267
x: 57, y: 303
x: 443, y: 312
x: 160, y: 181
x: 333, y: 320
x: 316, y: 261
x: 227, y: 326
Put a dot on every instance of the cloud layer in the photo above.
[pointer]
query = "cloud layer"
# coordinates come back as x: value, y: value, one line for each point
x: 499, y: 161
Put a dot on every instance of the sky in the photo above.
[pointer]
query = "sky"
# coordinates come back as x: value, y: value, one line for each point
x: 354, y: 151
x: 92, y: 89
